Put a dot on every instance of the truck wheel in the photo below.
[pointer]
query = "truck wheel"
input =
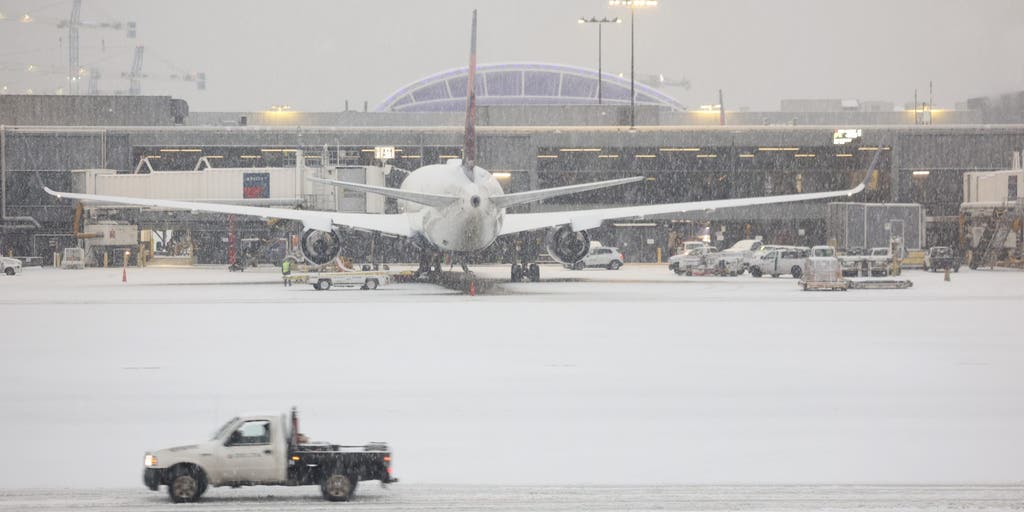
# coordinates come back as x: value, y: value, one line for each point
x: 755, y: 272
x: 323, y: 284
x: 614, y: 265
x: 187, y: 483
x: 534, y: 272
x: 337, y: 487
x: 371, y: 284
x: 579, y: 265
x: 9, y: 271
x: 517, y: 273
x: 796, y: 271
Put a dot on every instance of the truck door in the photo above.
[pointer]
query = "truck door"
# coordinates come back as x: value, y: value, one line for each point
x: 252, y: 455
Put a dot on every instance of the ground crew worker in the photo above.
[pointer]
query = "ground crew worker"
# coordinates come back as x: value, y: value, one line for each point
x: 286, y: 270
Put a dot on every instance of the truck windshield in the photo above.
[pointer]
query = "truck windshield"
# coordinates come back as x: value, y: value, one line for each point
x: 220, y: 432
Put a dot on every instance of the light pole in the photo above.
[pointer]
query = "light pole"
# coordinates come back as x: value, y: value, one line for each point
x: 599, y: 22
x: 632, y: 4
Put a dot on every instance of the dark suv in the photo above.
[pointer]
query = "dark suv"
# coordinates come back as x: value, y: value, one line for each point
x: 941, y: 257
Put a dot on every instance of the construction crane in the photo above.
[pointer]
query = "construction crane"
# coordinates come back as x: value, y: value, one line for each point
x: 135, y: 75
x: 73, y: 24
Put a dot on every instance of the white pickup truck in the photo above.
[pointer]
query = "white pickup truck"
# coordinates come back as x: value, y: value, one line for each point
x: 265, y: 450
x: 693, y: 259
x: 734, y: 260
x: 877, y: 262
x: 675, y: 259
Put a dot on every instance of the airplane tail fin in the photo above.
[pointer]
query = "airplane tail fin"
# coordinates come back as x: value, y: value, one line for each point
x: 507, y: 200
x: 469, y: 137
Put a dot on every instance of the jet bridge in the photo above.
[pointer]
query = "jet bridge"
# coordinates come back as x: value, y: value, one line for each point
x: 255, y: 186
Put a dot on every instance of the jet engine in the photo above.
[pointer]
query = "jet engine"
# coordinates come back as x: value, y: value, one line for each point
x: 566, y: 245
x: 320, y: 247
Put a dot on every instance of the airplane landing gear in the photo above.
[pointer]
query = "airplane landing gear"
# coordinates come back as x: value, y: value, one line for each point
x: 522, y: 271
x: 430, y: 266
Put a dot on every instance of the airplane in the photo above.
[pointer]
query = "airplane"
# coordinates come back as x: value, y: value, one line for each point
x: 457, y: 208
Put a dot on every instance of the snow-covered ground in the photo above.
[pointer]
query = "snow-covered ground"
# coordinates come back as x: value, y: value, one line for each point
x: 629, y: 378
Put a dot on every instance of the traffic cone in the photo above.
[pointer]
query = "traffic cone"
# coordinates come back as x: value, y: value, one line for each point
x: 124, y: 275
x: 472, y: 288
x: 947, y: 275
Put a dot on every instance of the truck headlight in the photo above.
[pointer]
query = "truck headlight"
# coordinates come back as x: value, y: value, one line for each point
x: 150, y: 460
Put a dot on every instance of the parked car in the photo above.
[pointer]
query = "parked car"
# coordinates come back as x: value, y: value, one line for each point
x: 781, y: 261
x: 10, y: 266
x: 764, y: 249
x: 605, y: 257
x: 673, y: 261
x: 940, y: 258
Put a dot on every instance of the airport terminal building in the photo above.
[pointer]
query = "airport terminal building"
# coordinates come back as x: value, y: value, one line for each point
x: 539, y: 126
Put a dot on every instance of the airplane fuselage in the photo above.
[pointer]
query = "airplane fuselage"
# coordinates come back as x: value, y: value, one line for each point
x: 470, y: 224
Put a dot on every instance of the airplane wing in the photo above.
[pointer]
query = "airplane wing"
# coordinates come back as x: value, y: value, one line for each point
x: 589, y: 219
x: 507, y: 200
x: 435, y: 200
x: 396, y: 224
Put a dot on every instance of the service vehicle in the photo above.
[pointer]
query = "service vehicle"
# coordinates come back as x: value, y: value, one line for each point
x: 265, y: 450
x: 364, y: 280
x: 781, y: 261
x: 10, y: 266
x: 764, y: 249
x: 603, y: 257
x: 876, y: 262
x: 734, y: 260
x: 673, y: 261
x: 694, y: 259
x: 822, y: 270
x: 940, y: 258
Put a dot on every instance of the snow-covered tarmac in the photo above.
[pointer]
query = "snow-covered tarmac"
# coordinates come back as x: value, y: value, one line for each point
x: 595, y: 378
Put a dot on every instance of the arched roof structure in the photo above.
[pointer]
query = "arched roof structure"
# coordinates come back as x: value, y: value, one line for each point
x: 519, y: 84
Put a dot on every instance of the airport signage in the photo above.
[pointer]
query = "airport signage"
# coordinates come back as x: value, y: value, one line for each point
x: 846, y: 135
x: 384, y: 152
x: 256, y: 185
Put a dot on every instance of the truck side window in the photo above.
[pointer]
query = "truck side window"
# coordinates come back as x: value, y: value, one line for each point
x: 252, y: 432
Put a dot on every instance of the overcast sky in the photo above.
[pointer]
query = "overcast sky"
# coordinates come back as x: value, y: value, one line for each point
x: 315, y: 55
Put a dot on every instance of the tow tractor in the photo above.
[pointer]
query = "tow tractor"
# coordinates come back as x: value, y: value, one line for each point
x: 324, y: 280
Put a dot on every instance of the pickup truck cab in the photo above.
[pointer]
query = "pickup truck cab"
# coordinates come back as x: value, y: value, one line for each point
x: 264, y: 450
x: 781, y: 261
